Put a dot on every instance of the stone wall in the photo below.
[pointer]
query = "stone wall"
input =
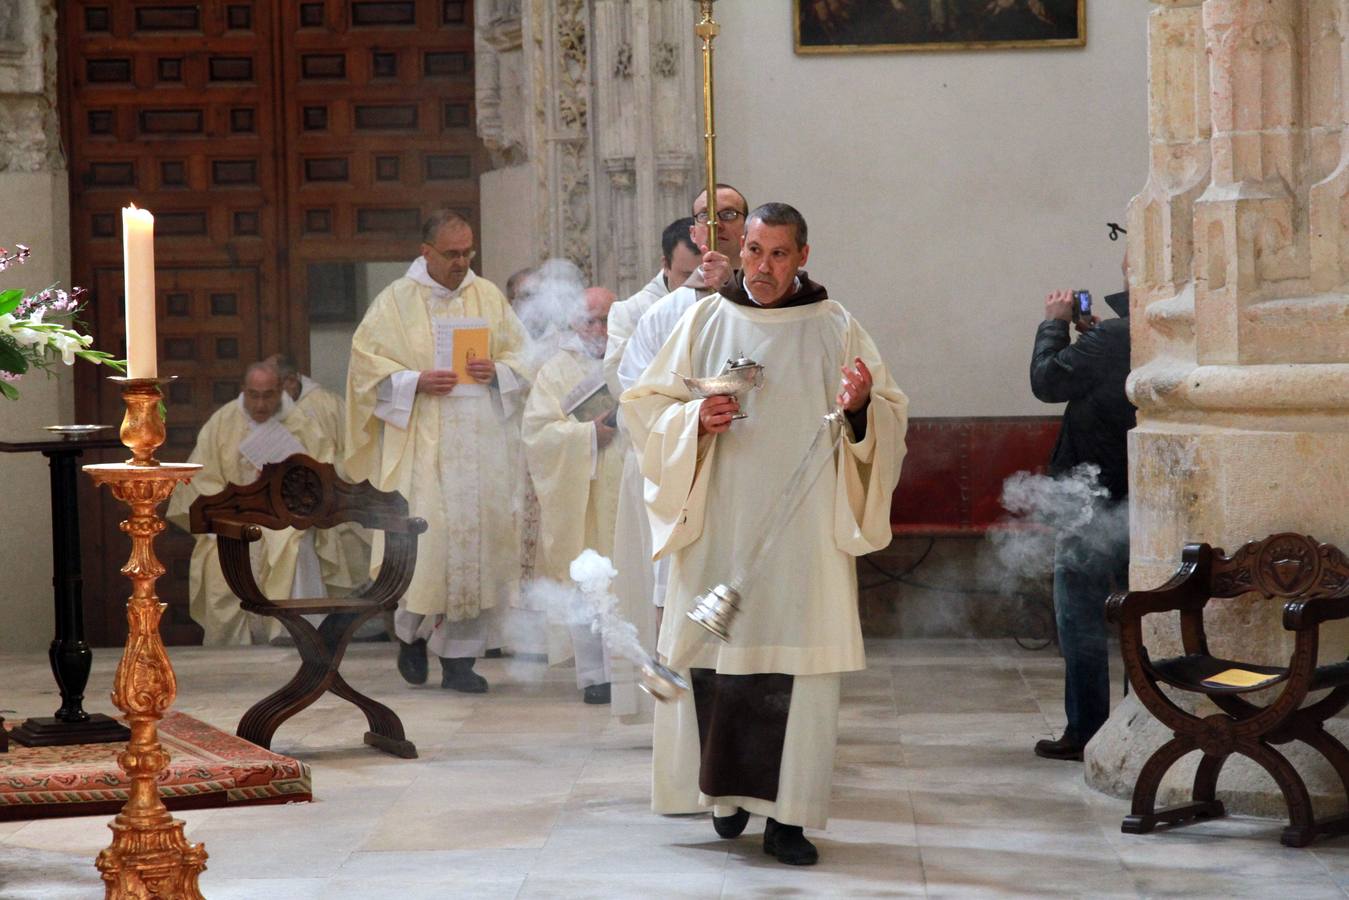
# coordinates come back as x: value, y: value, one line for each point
x: 33, y: 211
x: 947, y: 193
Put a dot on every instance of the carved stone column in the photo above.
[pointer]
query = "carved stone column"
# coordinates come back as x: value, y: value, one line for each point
x: 598, y: 98
x: 557, y: 52
x: 619, y: 116
x: 646, y: 131
x: 28, y: 119
x: 1240, y: 251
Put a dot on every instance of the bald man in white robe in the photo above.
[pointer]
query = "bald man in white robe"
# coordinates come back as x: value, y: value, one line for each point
x: 286, y: 563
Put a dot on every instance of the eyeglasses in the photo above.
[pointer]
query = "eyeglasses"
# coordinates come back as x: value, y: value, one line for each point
x: 454, y: 255
x: 723, y: 215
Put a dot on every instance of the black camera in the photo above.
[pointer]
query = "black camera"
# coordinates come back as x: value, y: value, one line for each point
x: 1081, y: 305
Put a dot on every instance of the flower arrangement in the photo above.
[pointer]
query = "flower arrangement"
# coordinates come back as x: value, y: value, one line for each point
x: 35, y: 329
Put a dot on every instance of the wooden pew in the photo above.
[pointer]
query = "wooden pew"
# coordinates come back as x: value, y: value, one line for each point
x: 950, y: 488
x: 955, y: 467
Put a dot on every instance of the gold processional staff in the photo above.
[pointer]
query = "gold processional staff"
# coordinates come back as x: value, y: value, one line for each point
x: 717, y: 609
x: 707, y: 29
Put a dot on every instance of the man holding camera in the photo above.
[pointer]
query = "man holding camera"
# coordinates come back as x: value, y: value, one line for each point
x: 1089, y: 562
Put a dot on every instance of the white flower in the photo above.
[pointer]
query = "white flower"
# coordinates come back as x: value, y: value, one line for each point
x: 67, y: 345
x: 36, y: 316
x: 26, y: 337
x: 7, y: 323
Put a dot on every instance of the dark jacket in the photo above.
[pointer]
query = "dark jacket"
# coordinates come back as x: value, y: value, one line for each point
x: 1090, y: 376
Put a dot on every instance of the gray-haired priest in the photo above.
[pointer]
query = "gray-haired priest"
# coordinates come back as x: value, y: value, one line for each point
x: 759, y: 731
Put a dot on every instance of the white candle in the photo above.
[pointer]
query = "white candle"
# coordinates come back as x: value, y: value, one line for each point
x: 138, y: 261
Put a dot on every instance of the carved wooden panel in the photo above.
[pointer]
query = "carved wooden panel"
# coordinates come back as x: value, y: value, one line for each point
x: 171, y: 105
x: 379, y: 115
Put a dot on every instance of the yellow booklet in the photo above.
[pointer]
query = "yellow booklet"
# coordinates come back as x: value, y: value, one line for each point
x: 470, y: 343
x: 456, y: 342
x: 1239, y: 678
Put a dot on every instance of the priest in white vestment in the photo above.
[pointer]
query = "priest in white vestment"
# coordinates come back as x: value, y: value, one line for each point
x: 575, y: 455
x: 679, y: 258
x: 634, y: 584
x: 439, y: 436
x: 261, y: 426
x: 632, y: 344
x: 757, y: 734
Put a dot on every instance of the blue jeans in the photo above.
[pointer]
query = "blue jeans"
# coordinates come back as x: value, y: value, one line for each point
x: 1084, y: 575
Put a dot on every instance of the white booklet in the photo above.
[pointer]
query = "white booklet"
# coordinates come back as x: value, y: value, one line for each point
x: 456, y: 341
x: 269, y: 442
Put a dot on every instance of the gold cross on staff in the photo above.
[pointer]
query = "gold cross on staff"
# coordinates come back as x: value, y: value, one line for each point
x: 707, y: 29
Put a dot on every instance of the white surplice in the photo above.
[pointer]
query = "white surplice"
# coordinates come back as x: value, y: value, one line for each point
x: 641, y: 581
x: 708, y: 499
x: 651, y: 333
x: 635, y: 583
x: 623, y: 318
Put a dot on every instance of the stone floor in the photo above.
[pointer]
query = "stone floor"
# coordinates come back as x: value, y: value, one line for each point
x: 525, y: 792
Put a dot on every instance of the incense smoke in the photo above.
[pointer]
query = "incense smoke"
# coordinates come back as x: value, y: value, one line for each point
x: 587, y: 602
x: 550, y: 300
x: 1043, y: 509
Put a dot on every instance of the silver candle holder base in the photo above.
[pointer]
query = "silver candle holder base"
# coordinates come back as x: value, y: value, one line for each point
x: 716, y: 610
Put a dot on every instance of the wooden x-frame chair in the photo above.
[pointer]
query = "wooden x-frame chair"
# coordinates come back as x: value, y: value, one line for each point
x: 302, y: 493
x: 1311, y: 580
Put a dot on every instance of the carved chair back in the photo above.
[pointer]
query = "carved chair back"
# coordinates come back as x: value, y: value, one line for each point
x: 1287, y: 566
x: 300, y: 492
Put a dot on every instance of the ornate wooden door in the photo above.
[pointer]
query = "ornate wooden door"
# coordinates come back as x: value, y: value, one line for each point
x: 379, y: 124
x: 271, y: 139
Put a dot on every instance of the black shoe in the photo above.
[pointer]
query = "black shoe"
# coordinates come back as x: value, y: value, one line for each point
x: 458, y: 675
x: 788, y: 844
x: 731, y: 826
x: 1064, y: 748
x: 596, y: 694
x: 412, y: 661
x: 494, y: 653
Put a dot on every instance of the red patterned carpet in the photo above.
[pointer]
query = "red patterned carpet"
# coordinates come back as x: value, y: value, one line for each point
x: 208, y: 768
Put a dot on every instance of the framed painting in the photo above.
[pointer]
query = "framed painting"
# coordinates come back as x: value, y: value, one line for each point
x: 877, y: 26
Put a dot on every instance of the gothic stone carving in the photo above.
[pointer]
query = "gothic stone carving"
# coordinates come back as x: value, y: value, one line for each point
x: 29, y: 128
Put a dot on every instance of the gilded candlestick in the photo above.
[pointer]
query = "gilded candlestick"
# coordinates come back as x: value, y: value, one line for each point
x: 149, y: 856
